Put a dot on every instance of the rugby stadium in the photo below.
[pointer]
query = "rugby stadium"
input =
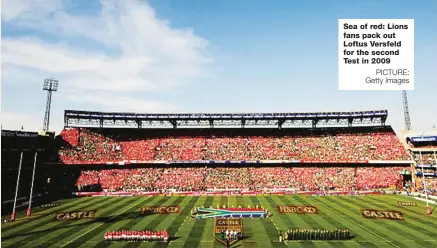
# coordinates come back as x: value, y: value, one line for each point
x: 250, y: 124
x: 337, y: 179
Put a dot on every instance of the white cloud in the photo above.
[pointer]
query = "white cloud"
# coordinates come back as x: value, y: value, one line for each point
x: 121, y: 103
x: 28, y: 10
x: 117, y: 53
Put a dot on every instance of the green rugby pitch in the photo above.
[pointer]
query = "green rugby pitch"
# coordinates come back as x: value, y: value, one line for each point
x: 115, y: 213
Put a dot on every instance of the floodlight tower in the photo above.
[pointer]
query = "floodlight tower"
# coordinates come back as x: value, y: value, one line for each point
x: 50, y: 85
x: 406, y: 111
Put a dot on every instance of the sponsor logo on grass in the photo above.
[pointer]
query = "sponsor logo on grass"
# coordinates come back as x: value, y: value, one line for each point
x: 382, y: 214
x: 228, y: 230
x: 161, y: 210
x: 205, y: 213
x: 50, y: 205
x: 407, y: 204
x: 298, y: 210
x: 78, y: 215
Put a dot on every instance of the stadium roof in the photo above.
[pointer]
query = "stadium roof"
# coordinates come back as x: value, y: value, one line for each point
x: 75, y: 118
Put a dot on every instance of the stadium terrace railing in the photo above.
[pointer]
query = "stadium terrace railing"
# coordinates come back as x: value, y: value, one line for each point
x: 426, y: 166
x: 426, y: 149
x: 227, y: 193
x: 390, y: 161
x: 303, y: 161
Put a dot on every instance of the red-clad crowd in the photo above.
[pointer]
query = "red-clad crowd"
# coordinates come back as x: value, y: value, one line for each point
x: 136, y: 236
x: 142, y: 179
x: 184, y: 179
x: 252, y: 178
x: 71, y: 136
x: 425, y: 158
x: 368, y: 178
x: 431, y: 184
x: 90, y: 146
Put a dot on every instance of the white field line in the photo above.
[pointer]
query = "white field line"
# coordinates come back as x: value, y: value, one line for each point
x: 83, y: 234
x: 375, y: 234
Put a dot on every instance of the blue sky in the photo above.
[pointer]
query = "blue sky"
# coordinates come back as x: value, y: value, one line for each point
x: 199, y: 56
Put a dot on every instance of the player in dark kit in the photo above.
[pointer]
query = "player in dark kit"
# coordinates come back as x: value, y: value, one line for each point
x: 311, y: 234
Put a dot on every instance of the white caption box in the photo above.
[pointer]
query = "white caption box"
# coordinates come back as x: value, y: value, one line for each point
x: 376, y: 54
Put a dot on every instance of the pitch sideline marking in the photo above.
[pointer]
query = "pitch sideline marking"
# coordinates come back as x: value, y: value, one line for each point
x: 72, y: 240
x: 42, y: 212
x: 277, y: 229
x: 28, y: 217
x: 371, y: 232
x: 271, y: 219
x: 176, y: 233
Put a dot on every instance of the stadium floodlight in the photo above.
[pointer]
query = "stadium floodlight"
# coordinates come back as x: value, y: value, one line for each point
x: 406, y: 111
x: 50, y: 85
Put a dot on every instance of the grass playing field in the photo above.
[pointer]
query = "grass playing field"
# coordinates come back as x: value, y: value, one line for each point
x: 115, y: 213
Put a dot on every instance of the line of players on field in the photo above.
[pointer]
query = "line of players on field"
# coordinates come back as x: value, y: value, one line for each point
x: 317, y: 234
x: 135, y: 236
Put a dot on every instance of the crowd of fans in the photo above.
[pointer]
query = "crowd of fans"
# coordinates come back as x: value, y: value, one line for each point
x: 375, y: 177
x: 142, y: 179
x: 430, y: 179
x: 425, y: 158
x: 70, y: 136
x: 245, y: 178
x: 89, y: 146
x: 182, y: 179
x: 431, y: 185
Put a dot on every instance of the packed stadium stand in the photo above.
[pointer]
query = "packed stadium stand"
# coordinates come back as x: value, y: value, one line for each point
x: 96, y: 146
x: 423, y: 149
x: 118, y: 152
x: 88, y: 156
x: 246, y: 178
